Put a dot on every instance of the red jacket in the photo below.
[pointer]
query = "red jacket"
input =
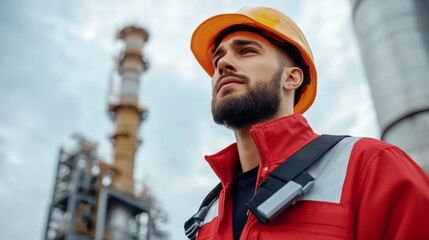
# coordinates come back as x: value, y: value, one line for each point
x: 365, y: 189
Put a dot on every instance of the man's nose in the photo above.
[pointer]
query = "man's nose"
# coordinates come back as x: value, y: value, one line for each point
x: 225, y: 64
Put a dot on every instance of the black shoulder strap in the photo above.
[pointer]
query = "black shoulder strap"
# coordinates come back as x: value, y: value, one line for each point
x: 213, y: 194
x: 273, y: 189
x: 305, y: 157
x: 289, y: 182
x: 193, y: 225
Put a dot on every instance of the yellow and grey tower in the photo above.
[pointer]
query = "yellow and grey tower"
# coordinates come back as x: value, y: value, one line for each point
x: 127, y: 113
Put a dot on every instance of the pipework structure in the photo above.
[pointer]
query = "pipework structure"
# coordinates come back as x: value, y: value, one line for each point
x: 71, y: 212
x: 93, y: 199
x: 394, y: 40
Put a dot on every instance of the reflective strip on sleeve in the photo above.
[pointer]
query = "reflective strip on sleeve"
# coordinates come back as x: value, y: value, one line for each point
x: 330, y: 172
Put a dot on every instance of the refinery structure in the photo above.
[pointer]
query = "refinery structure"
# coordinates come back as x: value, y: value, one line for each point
x: 394, y: 41
x: 93, y: 199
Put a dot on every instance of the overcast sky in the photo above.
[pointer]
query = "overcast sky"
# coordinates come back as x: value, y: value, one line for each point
x: 55, y: 61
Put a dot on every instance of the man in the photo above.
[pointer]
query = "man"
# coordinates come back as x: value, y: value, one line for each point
x: 263, y: 79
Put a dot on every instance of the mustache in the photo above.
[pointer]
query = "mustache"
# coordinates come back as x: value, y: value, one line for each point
x: 231, y: 74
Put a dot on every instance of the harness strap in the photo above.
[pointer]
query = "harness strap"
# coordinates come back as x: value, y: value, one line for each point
x: 193, y: 225
x: 289, y: 181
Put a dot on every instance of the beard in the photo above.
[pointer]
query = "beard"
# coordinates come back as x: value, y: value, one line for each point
x: 258, y: 104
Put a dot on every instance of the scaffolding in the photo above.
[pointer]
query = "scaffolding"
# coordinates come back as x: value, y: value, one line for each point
x: 82, y: 200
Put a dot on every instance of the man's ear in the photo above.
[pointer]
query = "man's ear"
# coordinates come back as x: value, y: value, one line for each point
x: 294, y: 78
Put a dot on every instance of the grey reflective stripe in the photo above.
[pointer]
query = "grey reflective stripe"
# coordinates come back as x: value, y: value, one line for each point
x: 213, y: 212
x: 330, y: 172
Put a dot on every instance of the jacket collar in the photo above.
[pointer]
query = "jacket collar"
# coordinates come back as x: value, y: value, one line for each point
x: 276, y: 141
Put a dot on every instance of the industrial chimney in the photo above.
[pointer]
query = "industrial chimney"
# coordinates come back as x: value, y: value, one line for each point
x: 127, y: 114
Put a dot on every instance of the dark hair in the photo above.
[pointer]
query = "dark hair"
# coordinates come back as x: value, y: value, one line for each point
x: 288, y: 48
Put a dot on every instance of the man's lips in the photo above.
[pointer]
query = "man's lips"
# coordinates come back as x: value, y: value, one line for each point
x: 228, y: 80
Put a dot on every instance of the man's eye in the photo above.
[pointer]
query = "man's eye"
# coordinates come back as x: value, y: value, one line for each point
x: 247, y: 50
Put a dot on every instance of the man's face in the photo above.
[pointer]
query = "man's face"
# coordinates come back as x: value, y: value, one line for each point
x: 246, y: 82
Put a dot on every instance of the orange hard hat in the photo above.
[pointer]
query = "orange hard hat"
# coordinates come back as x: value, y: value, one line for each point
x: 271, y: 22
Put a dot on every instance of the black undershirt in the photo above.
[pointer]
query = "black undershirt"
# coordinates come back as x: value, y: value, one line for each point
x: 243, y: 191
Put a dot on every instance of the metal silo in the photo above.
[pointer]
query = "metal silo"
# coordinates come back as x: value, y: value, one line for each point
x: 394, y: 40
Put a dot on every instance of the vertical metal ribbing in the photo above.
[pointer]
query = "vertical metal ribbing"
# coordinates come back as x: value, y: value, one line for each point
x: 394, y: 41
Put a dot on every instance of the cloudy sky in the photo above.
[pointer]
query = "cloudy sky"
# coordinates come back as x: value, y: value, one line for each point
x: 55, y: 61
